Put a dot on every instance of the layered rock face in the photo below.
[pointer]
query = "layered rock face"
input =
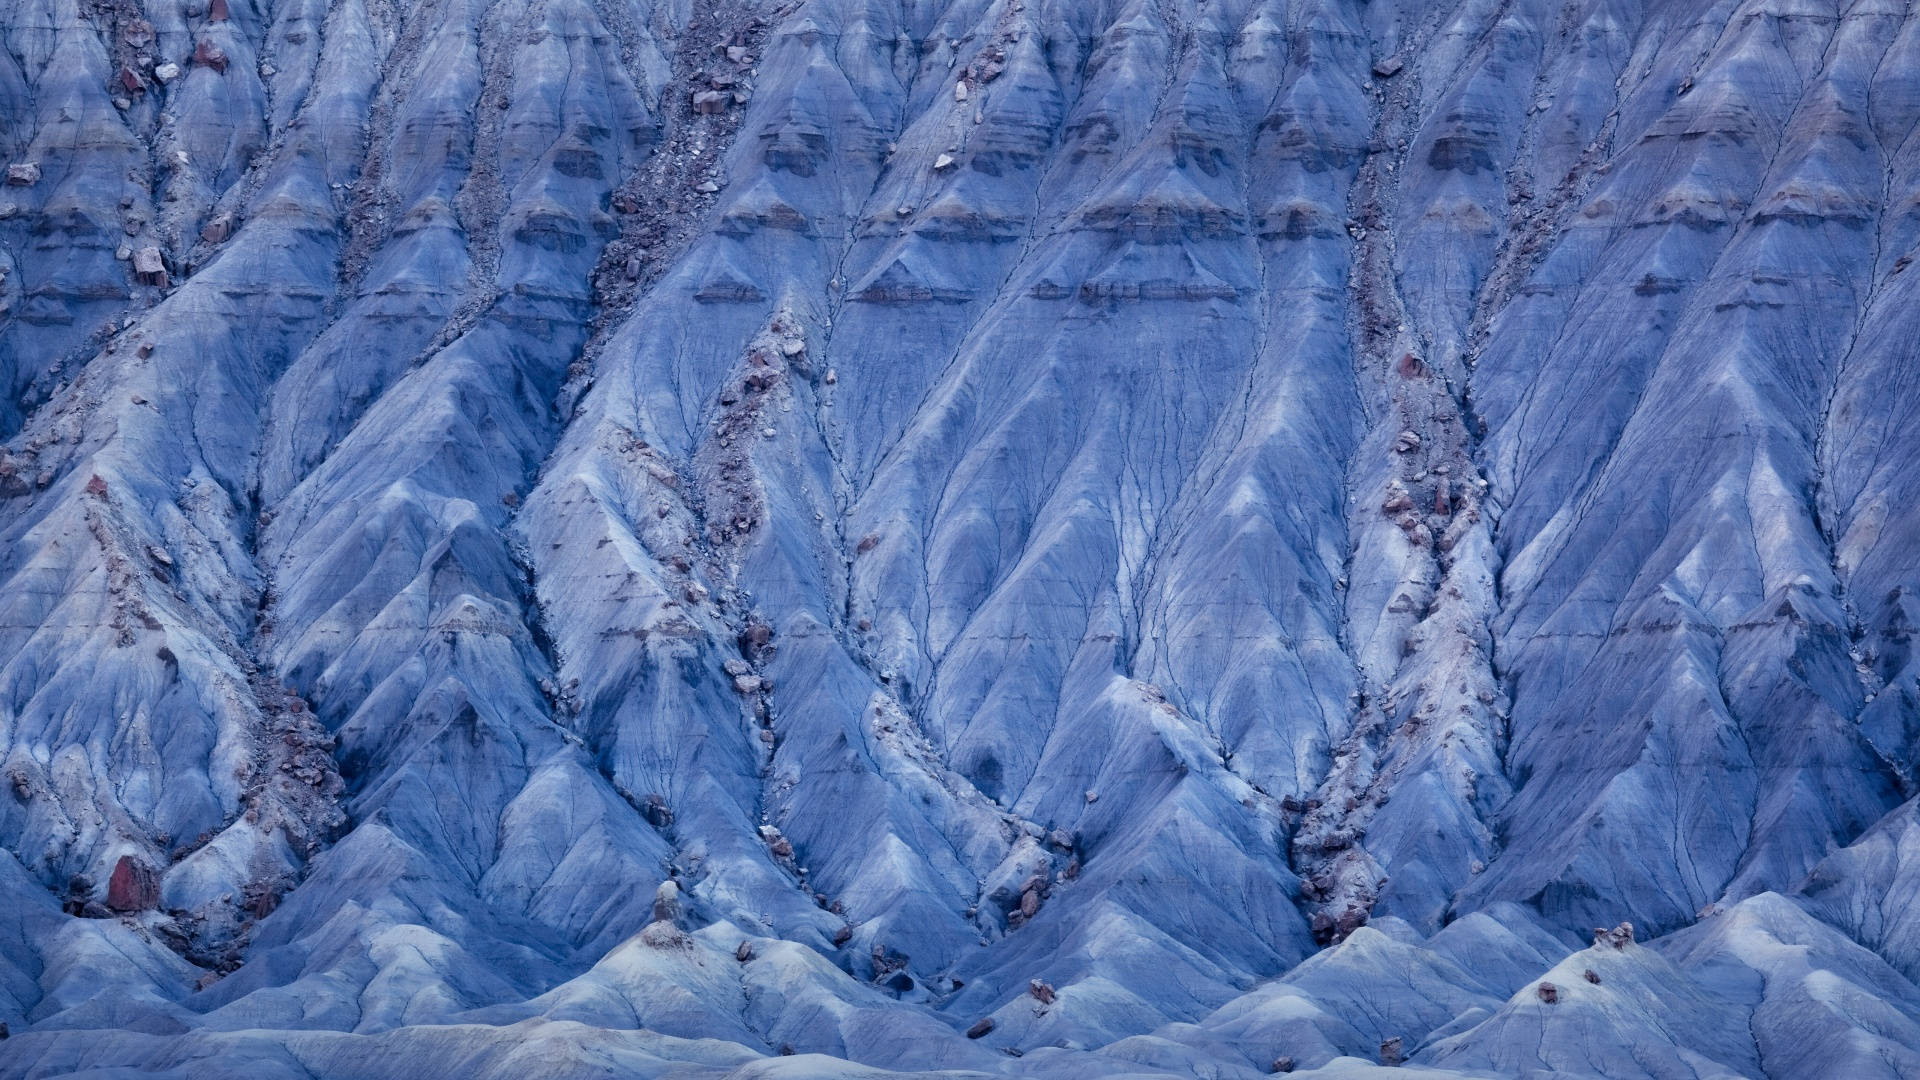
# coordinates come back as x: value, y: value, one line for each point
x: 1065, y: 538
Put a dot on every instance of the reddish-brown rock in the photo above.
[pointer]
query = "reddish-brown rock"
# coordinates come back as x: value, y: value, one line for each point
x: 132, y: 886
x: 207, y: 54
x: 149, y: 268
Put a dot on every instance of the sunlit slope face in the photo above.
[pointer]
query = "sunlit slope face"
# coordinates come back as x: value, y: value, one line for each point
x: 1054, y: 538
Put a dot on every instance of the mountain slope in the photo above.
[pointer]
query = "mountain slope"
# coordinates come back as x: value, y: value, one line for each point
x: 693, y: 538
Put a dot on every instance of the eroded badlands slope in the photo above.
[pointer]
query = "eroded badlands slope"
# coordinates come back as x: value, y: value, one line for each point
x: 1041, y: 537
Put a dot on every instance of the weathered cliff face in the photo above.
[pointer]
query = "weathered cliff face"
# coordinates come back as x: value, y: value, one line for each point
x: 1046, y: 537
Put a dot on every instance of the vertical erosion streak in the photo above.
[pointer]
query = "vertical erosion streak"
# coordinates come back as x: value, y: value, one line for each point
x: 1402, y: 820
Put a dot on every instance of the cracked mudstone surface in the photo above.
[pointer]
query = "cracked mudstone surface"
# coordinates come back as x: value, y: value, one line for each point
x: 1056, y: 538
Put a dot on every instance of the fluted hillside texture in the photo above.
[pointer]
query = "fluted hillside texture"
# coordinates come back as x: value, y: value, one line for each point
x: 1031, y: 538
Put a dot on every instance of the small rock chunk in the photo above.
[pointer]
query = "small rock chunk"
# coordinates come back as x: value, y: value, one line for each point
x: 207, y: 54
x: 218, y: 228
x: 149, y: 268
x: 666, y: 902
x: 133, y: 886
x: 1619, y: 937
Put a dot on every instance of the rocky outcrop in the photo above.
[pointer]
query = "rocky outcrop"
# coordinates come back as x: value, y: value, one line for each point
x: 133, y: 886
